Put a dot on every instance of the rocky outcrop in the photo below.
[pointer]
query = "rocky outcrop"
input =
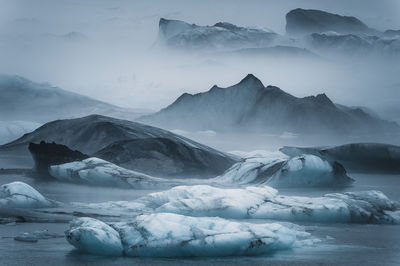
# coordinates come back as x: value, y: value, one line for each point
x: 47, y: 154
x: 221, y: 36
x: 132, y: 145
x: 306, y: 21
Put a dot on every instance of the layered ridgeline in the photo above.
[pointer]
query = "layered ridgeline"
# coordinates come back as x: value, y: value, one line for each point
x: 23, y: 99
x: 251, y: 107
x: 128, y: 144
x: 307, y: 32
x: 326, y: 33
x: 25, y: 105
x: 221, y: 36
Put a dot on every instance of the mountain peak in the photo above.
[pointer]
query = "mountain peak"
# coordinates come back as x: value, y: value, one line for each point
x: 171, y: 27
x: 251, y: 80
x: 322, y: 98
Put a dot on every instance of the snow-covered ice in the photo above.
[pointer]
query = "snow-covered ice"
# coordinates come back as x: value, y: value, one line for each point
x: 20, y: 195
x: 100, y: 172
x: 300, y: 171
x: 173, y: 235
x: 93, y: 236
x: 264, y: 203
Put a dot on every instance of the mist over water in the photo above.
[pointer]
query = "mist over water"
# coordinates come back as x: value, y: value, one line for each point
x: 199, y: 185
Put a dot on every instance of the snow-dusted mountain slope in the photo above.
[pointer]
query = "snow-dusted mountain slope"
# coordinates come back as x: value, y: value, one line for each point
x: 221, y: 36
x: 25, y: 100
x: 10, y: 130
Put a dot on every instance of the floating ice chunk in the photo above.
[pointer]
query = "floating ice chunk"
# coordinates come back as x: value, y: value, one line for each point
x: 100, y: 172
x: 264, y: 203
x: 93, y: 236
x: 21, y: 195
x: 172, y: 235
x: 35, y: 236
x: 259, y: 154
x: 299, y: 171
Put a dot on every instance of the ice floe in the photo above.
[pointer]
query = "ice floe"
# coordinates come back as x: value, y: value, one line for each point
x: 35, y: 236
x: 264, y: 203
x: 90, y: 235
x: 173, y: 235
x: 100, y: 172
x: 300, y: 171
x: 20, y: 195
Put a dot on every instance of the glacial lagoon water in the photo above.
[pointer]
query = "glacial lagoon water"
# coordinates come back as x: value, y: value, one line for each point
x: 347, y: 244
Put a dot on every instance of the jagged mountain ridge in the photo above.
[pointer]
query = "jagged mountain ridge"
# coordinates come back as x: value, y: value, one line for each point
x: 356, y: 157
x: 222, y: 35
x: 250, y: 106
x: 314, y: 31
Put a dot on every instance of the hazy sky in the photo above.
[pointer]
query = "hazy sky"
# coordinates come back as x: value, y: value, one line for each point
x: 108, y: 54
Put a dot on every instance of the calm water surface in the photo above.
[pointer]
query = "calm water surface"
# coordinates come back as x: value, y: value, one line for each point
x: 341, y: 244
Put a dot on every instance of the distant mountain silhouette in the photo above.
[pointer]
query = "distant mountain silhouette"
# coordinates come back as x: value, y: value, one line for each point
x: 305, y: 21
x: 24, y: 100
x: 220, y: 36
x: 249, y: 106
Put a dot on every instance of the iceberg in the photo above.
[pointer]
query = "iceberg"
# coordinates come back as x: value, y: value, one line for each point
x: 300, y: 171
x: 100, y: 172
x: 35, y: 236
x: 173, y: 235
x: 20, y: 195
x: 93, y: 236
x: 356, y: 157
x: 264, y: 202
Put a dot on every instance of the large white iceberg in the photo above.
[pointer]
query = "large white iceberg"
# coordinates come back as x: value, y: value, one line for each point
x: 172, y: 235
x: 100, y: 172
x: 20, y: 195
x: 264, y: 203
x: 300, y: 171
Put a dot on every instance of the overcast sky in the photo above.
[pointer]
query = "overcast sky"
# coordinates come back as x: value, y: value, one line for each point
x: 101, y: 48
